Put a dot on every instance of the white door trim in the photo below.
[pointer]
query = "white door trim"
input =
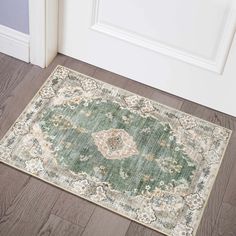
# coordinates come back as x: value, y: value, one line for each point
x: 43, y: 21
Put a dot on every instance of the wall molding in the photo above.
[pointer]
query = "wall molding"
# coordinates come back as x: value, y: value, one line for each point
x: 43, y: 24
x: 14, y: 43
x: 216, y: 64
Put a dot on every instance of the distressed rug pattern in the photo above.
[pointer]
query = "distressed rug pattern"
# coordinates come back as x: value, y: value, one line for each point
x: 136, y: 157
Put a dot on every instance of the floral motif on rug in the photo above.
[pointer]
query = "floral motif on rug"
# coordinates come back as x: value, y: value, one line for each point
x: 143, y: 160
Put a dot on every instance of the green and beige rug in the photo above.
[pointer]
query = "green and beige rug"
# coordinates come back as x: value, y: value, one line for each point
x: 136, y: 157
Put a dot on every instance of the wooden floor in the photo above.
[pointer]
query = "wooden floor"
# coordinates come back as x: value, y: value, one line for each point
x: 31, y: 207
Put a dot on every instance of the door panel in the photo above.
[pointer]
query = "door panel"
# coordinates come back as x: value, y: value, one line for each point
x: 179, y: 47
x: 199, y: 30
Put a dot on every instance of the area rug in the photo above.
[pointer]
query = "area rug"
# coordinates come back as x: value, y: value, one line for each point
x: 150, y: 163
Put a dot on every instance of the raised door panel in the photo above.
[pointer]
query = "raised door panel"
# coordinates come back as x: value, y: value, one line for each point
x: 199, y: 32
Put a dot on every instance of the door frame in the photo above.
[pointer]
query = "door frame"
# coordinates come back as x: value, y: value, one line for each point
x: 43, y: 27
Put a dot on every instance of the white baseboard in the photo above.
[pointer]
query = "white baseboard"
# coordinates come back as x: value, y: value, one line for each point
x: 14, y: 43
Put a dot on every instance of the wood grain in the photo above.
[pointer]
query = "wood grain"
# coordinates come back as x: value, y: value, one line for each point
x: 55, y: 226
x: 13, y: 74
x: 30, y: 209
x: 136, y: 229
x: 73, y: 209
x: 1, y: 56
x: 106, y: 223
x: 8, y: 68
x: 137, y: 88
x: 230, y: 194
x: 111, y: 78
x: 210, y: 115
x: 80, y: 66
x: 226, y: 222
x: 15, y: 98
x: 11, y: 183
x: 167, y: 99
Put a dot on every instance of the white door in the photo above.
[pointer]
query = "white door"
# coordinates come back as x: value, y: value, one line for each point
x: 184, y: 47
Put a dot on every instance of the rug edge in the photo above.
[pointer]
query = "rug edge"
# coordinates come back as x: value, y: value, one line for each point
x: 165, y: 106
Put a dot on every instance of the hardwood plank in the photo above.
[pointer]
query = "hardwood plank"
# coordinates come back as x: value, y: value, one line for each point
x: 73, y: 209
x: 167, y: 99
x: 219, y: 188
x: 11, y: 73
x: 226, y: 222
x: 16, y: 99
x: 11, y: 183
x: 30, y: 210
x: 136, y: 229
x: 55, y: 226
x: 230, y: 194
x: 7, y: 60
x: 1, y: 56
x: 210, y: 115
x: 106, y: 223
x: 13, y: 102
x: 80, y: 66
x: 138, y: 88
x: 110, y: 78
